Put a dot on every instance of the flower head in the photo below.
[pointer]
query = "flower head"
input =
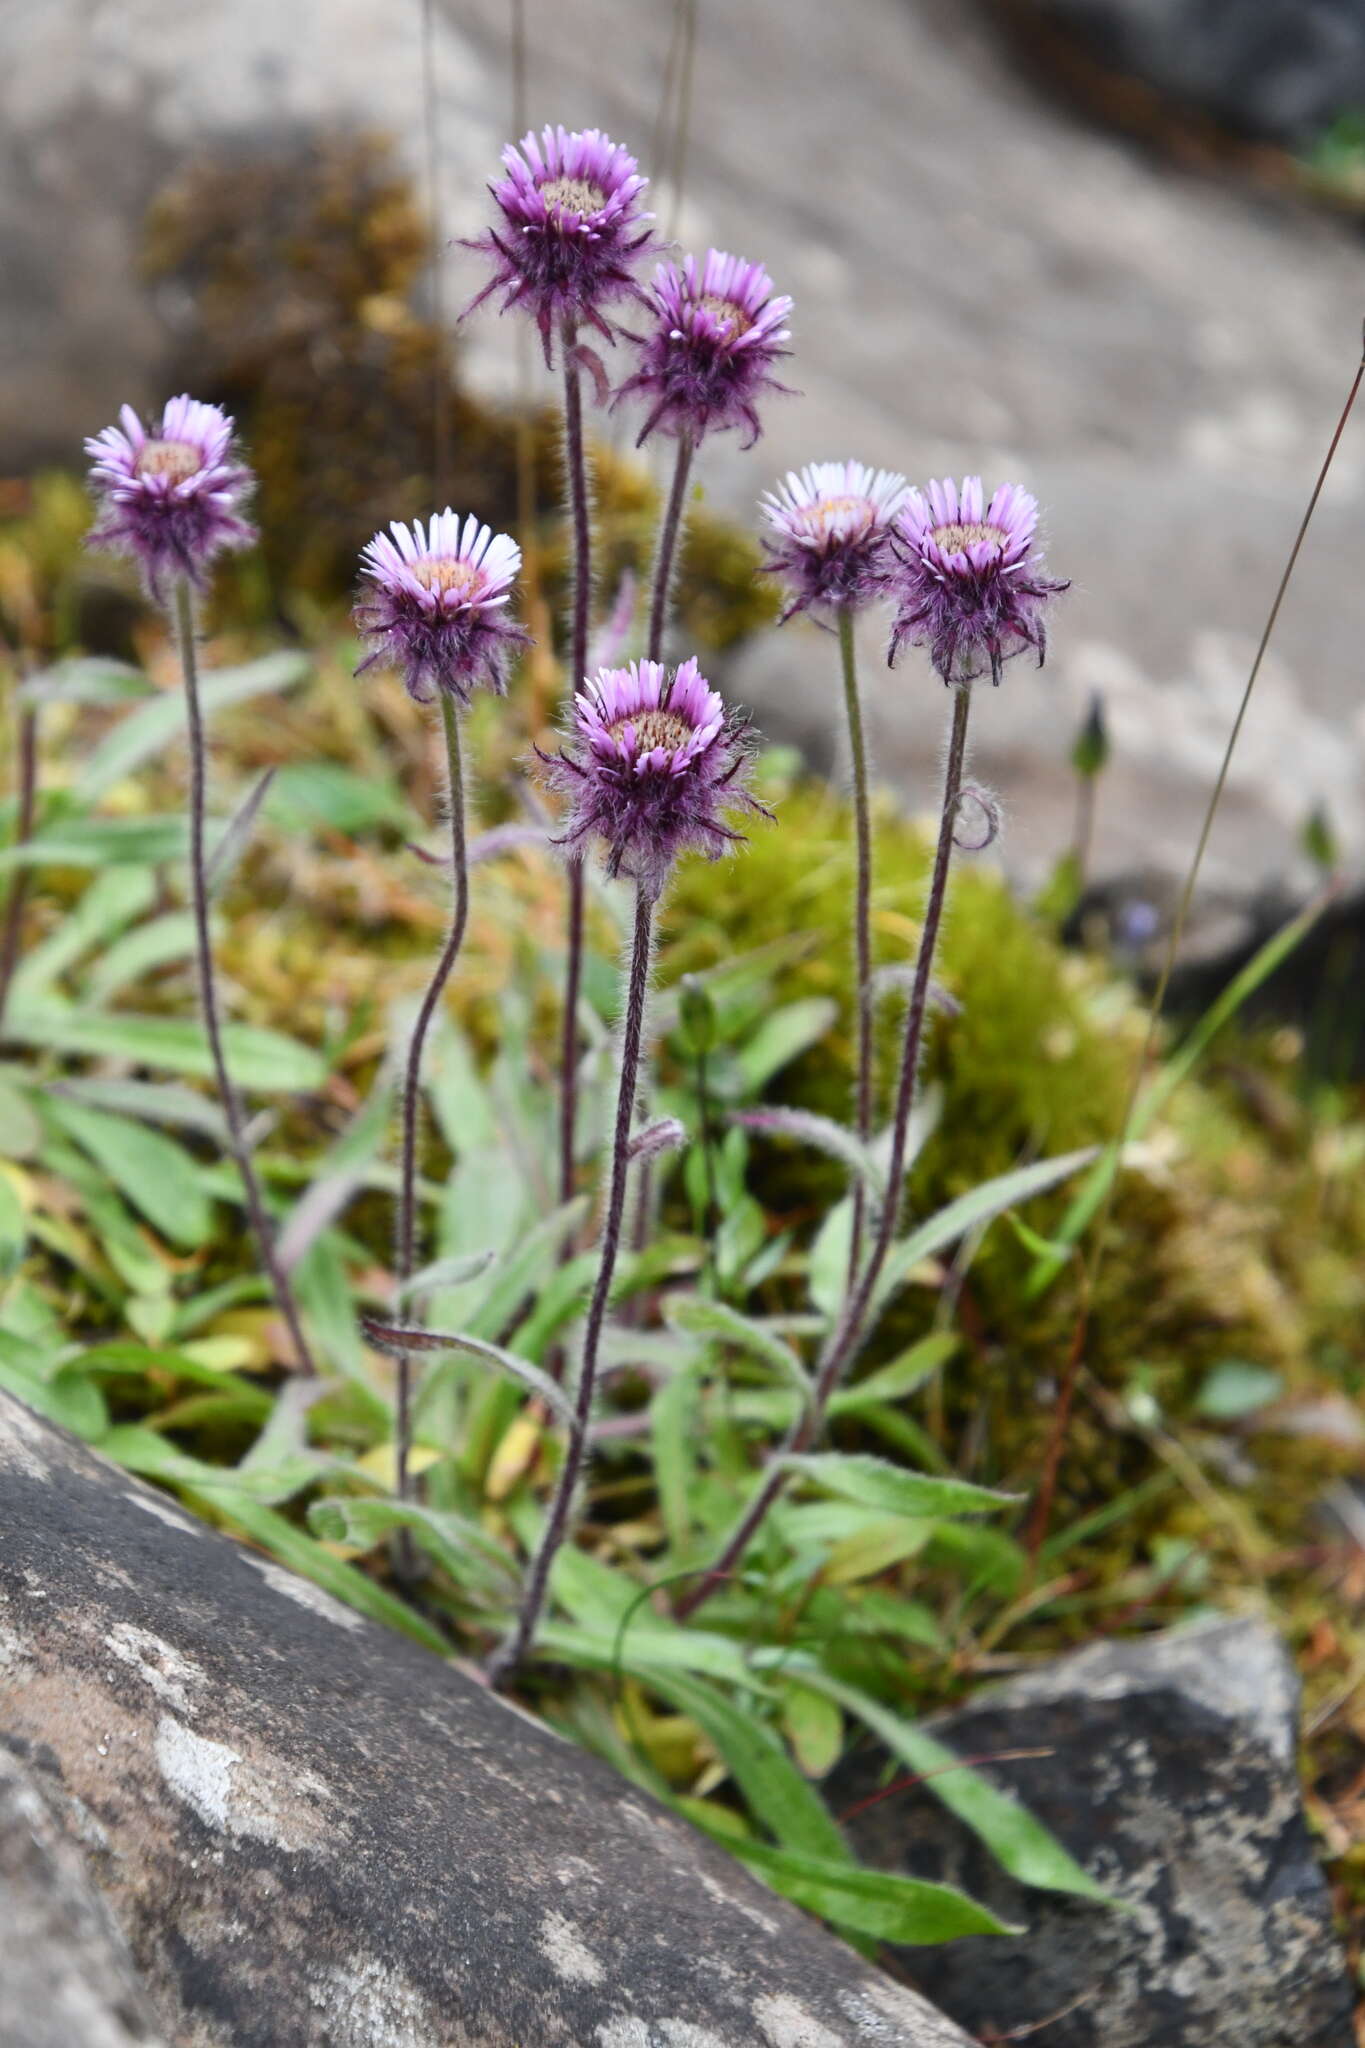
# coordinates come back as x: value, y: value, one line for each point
x: 170, y: 497
x: 970, y: 587
x: 435, y: 606
x: 709, y: 354
x: 653, y: 758
x: 571, y: 230
x: 830, y: 533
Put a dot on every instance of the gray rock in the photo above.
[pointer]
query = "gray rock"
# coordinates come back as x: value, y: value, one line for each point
x: 65, y: 1977
x: 1172, y: 1779
x: 982, y: 283
x: 1275, y: 70
x: 315, y: 1834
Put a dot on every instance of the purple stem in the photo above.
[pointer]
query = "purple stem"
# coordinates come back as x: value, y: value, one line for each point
x: 670, y: 528
x: 862, y: 920
x: 412, y: 1080
x: 261, y: 1226
x: 507, y: 1659
x: 854, y: 1322
x: 23, y: 832
x: 576, y: 467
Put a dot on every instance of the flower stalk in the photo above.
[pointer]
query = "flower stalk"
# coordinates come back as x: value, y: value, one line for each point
x: 261, y: 1227
x: 507, y: 1660
x: 862, y: 918
x: 576, y: 469
x: 26, y: 808
x: 406, y: 1252
x: 854, y: 1322
x: 665, y: 555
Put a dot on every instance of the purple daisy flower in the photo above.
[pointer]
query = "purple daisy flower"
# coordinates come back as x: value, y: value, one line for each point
x: 437, y: 606
x: 657, y: 758
x: 708, y: 358
x: 831, y: 530
x: 970, y: 587
x: 172, y: 497
x: 572, y: 229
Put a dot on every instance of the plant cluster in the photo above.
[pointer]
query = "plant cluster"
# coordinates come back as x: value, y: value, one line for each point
x: 571, y: 1273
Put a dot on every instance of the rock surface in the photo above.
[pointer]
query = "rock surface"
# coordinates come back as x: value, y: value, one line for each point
x: 1160, y: 356
x: 1172, y: 1779
x: 315, y: 1834
x: 65, y: 1977
x: 1276, y: 70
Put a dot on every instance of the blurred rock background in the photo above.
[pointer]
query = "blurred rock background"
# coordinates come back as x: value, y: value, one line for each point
x: 1109, y: 246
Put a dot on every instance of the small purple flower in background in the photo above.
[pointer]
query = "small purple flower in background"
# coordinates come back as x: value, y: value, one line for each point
x: 657, y: 759
x: 970, y: 587
x: 171, y: 498
x: 571, y: 232
x: 709, y: 355
x: 831, y: 531
x: 436, y: 608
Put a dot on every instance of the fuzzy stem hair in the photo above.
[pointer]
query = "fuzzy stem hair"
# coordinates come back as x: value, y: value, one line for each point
x: 261, y: 1227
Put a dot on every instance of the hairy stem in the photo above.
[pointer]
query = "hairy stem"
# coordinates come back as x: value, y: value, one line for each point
x: 208, y: 991
x: 854, y: 1321
x: 665, y: 554
x: 23, y: 831
x: 406, y: 1249
x: 509, y: 1657
x: 862, y: 920
x: 576, y: 465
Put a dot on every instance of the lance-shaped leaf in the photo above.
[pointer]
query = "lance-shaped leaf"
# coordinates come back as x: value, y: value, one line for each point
x: 403, y: 1341
x: 233, y: 844
x: 891, y: 1490
x: 703, y: 1318
x: 979, y: 1205
x: 820, y: 1132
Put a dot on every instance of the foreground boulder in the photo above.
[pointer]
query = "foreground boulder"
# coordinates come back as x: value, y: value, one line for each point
x: 65, y: 1976
x: 1171, y: 1777
x: 312, y: 1832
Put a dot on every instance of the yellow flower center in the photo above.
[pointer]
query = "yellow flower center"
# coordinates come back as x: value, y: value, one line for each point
x: 174, y: 459
x: 441, y: 574
x: 728, y: 312
x: 830, y: 516
x: 655, y: 728
x: 573, y: 195
x: 957, y: 535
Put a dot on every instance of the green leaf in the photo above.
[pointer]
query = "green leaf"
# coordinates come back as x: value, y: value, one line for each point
x: 874, y: 1483
x: 112, y: 901
x: 773, y: 1789
x: 673, y: 1416
x: 458, y: 1545
x: 872, y: 1902
x: 1235, y: 1389
x: 259, y: 1059
x: 782, y: 1036
x: 1019, y: 1843
x: 703, y: 1318
x: 904, y: 1375
x: 20, y: 1132
x: 86, y: 679
x: 13, y: 1231
x: 814, y: 1726
x: 980, y: 1205
x: 307, y: 794
x: 150, y: 1169
x: 158, y: 943
x: 148, y: 731
x: 100, y: 843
